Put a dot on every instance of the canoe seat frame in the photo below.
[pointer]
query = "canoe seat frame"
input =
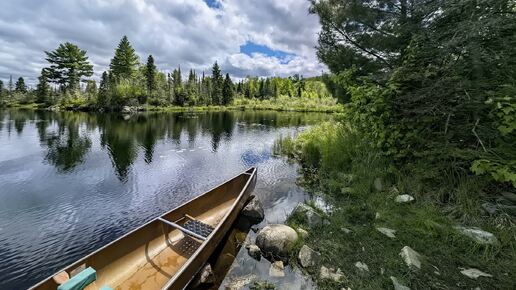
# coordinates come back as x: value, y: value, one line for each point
x: 182, y: 229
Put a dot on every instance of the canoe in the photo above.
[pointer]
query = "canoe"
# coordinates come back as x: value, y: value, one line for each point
x: 168, y: 251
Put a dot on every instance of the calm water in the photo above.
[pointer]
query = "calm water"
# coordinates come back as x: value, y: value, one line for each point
x: 72, y: 182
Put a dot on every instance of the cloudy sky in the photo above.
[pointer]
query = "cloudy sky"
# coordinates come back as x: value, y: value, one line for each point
x: 246, y: 37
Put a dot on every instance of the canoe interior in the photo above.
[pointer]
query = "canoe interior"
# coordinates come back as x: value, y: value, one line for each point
x: 150, y: 256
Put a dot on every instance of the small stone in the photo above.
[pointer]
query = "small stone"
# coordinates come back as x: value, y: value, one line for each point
x: 479, y: 235
x: 254, y: 251
x: 489, y: 208
x: 474, y: 273
x: 331, y: 274
x: 382, y: 271
x: 253, y: 211
x: 378, y: 184
x: 203, y: 278
x: 308, y: 257
x: 276, y: 269
x: 388, y: 232
x: 346, y: 230
x: 240, y: 282
x: 404, y: 198
x: 362, y: 266
x: 312, y: 217
x: 302, y: 233
x: 410, y: 257
x: 397, y: 285
x: 377, y: 215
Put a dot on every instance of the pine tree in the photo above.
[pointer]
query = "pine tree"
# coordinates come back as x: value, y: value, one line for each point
x: 10, y: 86
x: 91, y: 89
x: 150, y: 75
x: 43, y: 89
x: 177, y: 83
x: 217, y: 82
x: 103, y: 94
x: 68, y: 64
x: 125, y: 61
x: 1, y: 90
x: 227, y: 91
x: 20, y: 86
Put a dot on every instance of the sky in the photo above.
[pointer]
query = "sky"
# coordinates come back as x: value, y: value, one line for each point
x: 246, y: 37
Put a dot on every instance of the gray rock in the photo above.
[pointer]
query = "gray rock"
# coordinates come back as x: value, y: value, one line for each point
x: 362, y: 266
x: 397, y: 285
x: 127, y: 110
x: 203, y: 278
x: 240, y: 282
x: 254, y: 251
x: 276, y: 239
x: 378, y: 184
x: 404, y: 198
x: 474, y: 273
x: 388, y: 232
x: 509, y: 196
x: 410, y: 257
x: 308, y: 257
x: 489, y: 208
x: 479, y: 235
x: 253, y: 211
x: 331, y: 274
x: 302, y: 232
x: 312, y: 217
x: 346, y: 230
x: 277, y: 269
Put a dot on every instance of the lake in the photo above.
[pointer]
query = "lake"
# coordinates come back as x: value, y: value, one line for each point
x: 71, y: 182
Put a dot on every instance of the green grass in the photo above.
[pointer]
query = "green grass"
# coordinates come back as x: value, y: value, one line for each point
x: 344, y: 176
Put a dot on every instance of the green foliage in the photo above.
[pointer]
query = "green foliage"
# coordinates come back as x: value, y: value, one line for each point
x: 150, y: 75
x: 20, y: 86
x: 227, y: 91
x: 43, y: 91
x: 125, y: 62
x: 217, y: 83
x: 68, y: 64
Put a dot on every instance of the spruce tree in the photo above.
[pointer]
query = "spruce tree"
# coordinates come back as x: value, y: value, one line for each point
x: 20, y: 86
x: 125, y: 61
x: 1, y: 90
x: 227, y: 91
x: 10, y: 86
x: 43, y: 89
x: 68, y: 64
x: 103, y: 94
x: 217, y: 82
x: 150, y: 75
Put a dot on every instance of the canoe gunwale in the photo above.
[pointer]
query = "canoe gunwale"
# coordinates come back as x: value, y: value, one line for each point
x: 203, y: 244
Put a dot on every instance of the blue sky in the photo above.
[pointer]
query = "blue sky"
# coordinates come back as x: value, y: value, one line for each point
x: 246, y: 37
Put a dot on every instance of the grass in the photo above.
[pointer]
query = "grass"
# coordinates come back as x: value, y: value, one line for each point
x: 344, y: 176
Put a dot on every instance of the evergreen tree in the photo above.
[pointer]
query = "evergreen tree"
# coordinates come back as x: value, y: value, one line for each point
x: 177, y: 83
x: 68, y: 64
x: 191, y: 88
x: 20, y: 86
x: 217, y: 82
x: 150, y: 75
x: 43, y: 90
x: 125, y: 61
x: 227, y: 91
x: 103, y: 94
x: 10, y: 85
x: 1, y: 90
x: 91, y: 89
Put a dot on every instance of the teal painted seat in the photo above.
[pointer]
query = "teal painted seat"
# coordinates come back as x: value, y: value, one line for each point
x: 80, y: 281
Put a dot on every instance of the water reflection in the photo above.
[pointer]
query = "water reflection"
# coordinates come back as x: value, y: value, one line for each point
x: 82, y: 180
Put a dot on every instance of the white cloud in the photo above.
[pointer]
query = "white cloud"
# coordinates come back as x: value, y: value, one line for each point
x: 175, y: 32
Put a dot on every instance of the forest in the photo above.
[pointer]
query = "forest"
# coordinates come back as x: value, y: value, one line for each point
x: 426, y: 144
x: 67, y: 82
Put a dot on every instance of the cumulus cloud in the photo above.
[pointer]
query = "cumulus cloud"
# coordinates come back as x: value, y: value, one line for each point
x: 189, y: 33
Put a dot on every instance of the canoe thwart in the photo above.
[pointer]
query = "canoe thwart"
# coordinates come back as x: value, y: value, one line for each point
x: 186, y: 231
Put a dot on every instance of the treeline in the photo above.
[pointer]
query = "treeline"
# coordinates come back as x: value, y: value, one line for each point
x: 130, y: 83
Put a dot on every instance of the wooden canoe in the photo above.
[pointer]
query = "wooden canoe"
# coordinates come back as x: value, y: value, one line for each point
x: 160, y: 256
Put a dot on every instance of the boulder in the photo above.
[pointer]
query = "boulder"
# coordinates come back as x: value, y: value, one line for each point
x: 410, y: 257
x: 479, y: 235
x: 308, y: 257
x: 302, y: 232
x: 312, y: 217
x: 254, y: 251
x: 388, y: 232
x: 277, y: 269
x: 253, y: 211
x: 404, y: 198
x: 474, y: 273
x: 204, y: 278
x: 362, y: 266
x: 276, y: 239
x: 331, y: 274
x: 397, y: 285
